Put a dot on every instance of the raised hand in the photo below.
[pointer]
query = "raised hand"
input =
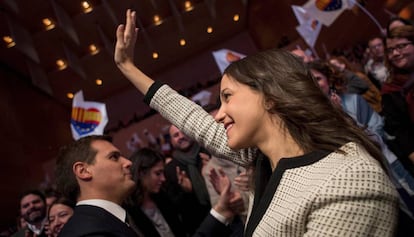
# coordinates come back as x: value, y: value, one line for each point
x: 126, y: 36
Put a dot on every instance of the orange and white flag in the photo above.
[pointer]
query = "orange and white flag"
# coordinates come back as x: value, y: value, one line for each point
x: 326, y: 11
x: 224, y: 57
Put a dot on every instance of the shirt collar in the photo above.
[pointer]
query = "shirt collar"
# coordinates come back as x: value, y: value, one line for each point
x: 109, y: 206
x: 36, y: 230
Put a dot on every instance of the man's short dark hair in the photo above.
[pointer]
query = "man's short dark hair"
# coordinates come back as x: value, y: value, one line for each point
x: 33, y: 192
x: 80, y: 150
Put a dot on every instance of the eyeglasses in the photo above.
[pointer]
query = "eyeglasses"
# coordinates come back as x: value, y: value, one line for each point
x: 397, y: 47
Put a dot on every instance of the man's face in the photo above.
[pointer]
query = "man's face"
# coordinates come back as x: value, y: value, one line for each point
x: 179, y: 140
x: 376, y: 47
x: 32, y: 208
x: 111, y: 174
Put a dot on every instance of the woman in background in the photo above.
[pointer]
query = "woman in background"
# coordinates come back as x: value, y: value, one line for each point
x: 59, y: 213
x: 372, y: 95
x: 149, y: 208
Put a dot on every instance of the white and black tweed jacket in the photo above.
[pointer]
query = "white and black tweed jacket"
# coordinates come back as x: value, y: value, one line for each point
x: 318, y: 194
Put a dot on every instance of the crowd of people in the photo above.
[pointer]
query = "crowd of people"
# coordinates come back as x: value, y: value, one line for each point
x: 297, y: 146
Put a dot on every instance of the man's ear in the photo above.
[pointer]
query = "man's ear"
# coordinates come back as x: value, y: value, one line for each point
x: 81, y: 170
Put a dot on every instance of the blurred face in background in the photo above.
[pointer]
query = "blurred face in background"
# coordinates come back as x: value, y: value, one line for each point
x: 376, y: 48
x: 400, y: 52
x: 179, y: 140
x: 340, y: 66
x: 153, y: 179
x: 395, y: 24
x: 59, y: 214
x: 322, y: 81
x: 302, y: 54
x: 32, y: 209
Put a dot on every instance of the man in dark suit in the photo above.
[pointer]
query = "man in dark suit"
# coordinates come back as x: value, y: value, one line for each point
x: 93, y: 172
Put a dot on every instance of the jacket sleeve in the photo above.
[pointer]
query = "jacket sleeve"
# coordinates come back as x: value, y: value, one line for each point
x: 211, y: 227
x: 194, y: 121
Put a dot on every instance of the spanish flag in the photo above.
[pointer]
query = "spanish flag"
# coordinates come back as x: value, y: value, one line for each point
x: 88, y: 117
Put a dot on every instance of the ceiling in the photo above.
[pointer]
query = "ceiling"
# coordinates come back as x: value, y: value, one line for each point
x: 36, y: 51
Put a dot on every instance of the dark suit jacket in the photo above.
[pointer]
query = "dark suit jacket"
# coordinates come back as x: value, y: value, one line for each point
x: 211, y: 227
x: 25, y: 232
x: 187, y: 204
x: 94, y: 221
x: 168, y: 211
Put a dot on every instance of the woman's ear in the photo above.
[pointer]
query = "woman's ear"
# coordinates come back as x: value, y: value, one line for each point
x: 81, y: 170
x: 268, y: 105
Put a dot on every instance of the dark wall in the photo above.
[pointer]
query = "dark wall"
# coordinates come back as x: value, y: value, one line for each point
x: 32, y: 127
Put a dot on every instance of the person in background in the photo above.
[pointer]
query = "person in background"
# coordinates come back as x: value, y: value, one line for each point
x: 303, y: 55
x: 51, y: 196
x: 333, y: 84
x: 149, y: 207
x: 375, y: 66
x: 33, y: 211
x: 187, y: 155
x: 372, y: 95
x: 398, y: 95
x: 59, y: 213
x: 397, y: 21
x: 306, y: 149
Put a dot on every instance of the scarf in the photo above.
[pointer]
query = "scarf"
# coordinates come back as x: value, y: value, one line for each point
x: 191, y: 159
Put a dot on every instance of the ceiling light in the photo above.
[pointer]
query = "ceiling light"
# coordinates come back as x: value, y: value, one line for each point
x: 98, y: 82
x: 87, y: 7
x: 157, y: 20
x: 69, y: 95
x: 61, y: 64
x: 154, y: 55
x: 93, y: 49
x: 182, y: 42
x: 48, y: 23
x: 188, y: 6
x: 236, y: 17
x: 9, y: 41
x: 209, y: 29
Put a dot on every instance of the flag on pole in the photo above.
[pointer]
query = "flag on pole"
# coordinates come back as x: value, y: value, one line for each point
x: 310, y: 32
x: 325, y: 11
x: 88, y: 117
x: 309, y: 28
x: 224, y: 57
x: 301, y: 15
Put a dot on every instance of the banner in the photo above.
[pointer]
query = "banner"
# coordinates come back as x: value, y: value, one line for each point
x: 310, y: 32
x: 88, y: 117
x: 224, y: 57
x: 325, y: 11
x: 301, y: 14
x: 308, y: 28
